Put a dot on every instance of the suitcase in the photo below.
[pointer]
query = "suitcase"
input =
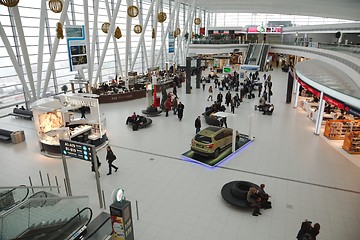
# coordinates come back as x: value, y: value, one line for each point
x: 135, y: 127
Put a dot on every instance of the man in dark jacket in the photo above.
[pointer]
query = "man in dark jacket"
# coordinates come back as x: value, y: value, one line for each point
x: 180, y: 110
x: 197, y: 124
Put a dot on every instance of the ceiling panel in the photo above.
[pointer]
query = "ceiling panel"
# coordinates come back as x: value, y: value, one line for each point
x: 344, y: 9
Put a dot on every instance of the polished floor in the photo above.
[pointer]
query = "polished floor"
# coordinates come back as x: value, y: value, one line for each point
x: 305, y: 175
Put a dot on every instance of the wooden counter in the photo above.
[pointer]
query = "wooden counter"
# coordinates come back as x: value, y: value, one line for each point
x: 121, y: 97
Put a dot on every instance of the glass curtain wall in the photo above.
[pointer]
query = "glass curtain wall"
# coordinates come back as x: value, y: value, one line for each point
x: 11, y: 89
x: 246, y: 19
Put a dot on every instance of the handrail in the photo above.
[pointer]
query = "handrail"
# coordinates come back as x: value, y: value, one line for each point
x: 29, y: 200
x: 11, y: 191
x: 338, y: 58
x: 45, y: 187
x: 62, y: 226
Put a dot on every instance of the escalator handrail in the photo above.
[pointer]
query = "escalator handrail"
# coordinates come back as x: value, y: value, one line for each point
x: 260, y: 54
x: 36, y: 199
x: 62, y: 226
x: 20, y: 201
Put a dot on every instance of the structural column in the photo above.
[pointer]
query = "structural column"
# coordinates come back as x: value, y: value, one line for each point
x: 320, y: 114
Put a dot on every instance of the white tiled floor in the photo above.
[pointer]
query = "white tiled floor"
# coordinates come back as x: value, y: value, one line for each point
x: 306, y: 177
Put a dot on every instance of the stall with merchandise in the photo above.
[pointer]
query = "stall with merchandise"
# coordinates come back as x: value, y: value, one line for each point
x: 71, y: 117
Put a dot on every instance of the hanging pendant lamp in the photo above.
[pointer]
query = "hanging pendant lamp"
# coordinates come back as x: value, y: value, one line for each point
x: 117, y: 34
x: 56, y: 6
x: 137, y: 29
x: 9, y: 3
x: 161, y: 17
x: 133, y: 11
x: 105, y: 27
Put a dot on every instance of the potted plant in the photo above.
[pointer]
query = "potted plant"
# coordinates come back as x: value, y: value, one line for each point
x: 64, y: 89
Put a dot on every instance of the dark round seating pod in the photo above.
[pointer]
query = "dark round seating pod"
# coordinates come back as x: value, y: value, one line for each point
x: 235, y: 192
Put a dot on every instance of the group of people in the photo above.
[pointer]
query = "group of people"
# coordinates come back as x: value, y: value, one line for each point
x: 110, y: 158
x: 258, y: 199
x: 170, y: 101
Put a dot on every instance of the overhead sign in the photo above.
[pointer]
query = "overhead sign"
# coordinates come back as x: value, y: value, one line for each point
x: 76, y: 43
x: 78, y: 150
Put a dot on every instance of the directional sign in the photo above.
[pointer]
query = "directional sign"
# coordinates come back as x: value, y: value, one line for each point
x: 78, y: 150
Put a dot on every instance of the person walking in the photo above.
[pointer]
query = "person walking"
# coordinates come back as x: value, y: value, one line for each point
x: 232, y: 104
x: 203, y: 83
x: 197, y: 124
x: 260, y: 89
x: 110, y: 157
x: 220, y: 98
x: 98, y: 164
x: 180, y: 110
x: 210, y: 93
x: 228, y: 98
x: 175, y: 105
x: 167, y: 107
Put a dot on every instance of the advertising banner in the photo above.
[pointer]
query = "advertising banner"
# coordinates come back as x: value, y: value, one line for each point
x: 76, y: 43
x: 171, y: 42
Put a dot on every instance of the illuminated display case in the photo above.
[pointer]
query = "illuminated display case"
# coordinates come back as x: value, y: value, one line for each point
x: 60, y: 118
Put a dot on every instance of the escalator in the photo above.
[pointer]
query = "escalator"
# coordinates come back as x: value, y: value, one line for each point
x: 42, y: 216
x: 253, y: 54
x: 12, y: 197
x: 263, y: 56
x: 248, y: 53
x: 59, y: 229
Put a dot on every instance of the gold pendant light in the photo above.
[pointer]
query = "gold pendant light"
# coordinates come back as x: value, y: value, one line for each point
x: 153, y: 33
x: 137, y: 29
x: 117, y: 34
x: 197, y: 21
x: 105, y: 27
x: 9, y: 3
x: 59, y: 31
x: 56, y: 6
x: 161, y: 17
x: 133, y: 11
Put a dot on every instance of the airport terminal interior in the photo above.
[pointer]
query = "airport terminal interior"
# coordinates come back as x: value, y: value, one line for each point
x: 306, y: 175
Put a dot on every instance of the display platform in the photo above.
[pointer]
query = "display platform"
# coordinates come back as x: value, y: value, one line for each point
x: 244, y: 141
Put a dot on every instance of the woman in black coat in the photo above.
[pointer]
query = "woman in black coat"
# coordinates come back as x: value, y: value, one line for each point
x: 110, y: 157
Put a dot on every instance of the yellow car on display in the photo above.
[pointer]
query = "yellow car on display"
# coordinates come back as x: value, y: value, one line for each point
x: 212, y: 140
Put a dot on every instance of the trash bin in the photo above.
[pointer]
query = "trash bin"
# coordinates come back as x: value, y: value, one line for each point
x: 17, y: 137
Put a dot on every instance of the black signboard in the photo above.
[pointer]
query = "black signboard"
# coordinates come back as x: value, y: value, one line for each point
x: 77, y: 149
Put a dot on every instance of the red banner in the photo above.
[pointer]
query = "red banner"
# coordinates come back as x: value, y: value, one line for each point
x: 202, y: 31
x: 310, y: 89
x: 334, y: 102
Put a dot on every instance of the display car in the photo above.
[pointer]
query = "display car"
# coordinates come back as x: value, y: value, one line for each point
x: 212, y: 140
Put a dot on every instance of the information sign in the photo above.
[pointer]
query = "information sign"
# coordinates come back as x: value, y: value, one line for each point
x: 78, y: 150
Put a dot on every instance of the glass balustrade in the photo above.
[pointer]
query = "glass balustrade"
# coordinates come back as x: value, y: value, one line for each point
x: 40, y: 213
x: 11, y: 196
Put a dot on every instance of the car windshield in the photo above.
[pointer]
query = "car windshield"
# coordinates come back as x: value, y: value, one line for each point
x: 202, y: 139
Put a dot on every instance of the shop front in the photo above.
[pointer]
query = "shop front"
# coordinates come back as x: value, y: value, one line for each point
x: 70, y: 117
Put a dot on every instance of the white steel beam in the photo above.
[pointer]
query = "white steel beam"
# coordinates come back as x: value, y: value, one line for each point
x: 16, y: 65
x: 141, y: 41
x: 106, y: 44
x: 163, y: 41
x: 40, y: 48
x: 25, y: 53
x: 144, y: 57
x: 128, y: 44
x: 54, y: 49
x: 87, y: 34
x: 191, y: 24
x: 91, y: 60
x: 184, y: 30
x: 117, y: 55
x: 154, y: 25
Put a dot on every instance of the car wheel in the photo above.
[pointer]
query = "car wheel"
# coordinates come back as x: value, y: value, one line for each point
x: 216, y: 153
